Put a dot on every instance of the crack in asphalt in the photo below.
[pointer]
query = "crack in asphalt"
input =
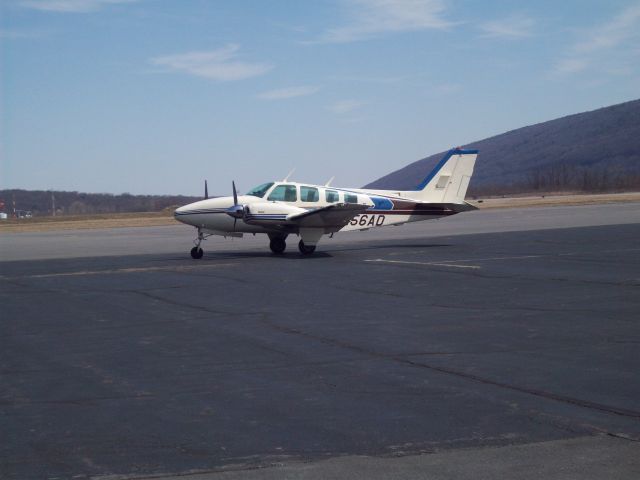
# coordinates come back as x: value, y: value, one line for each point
x: 263, y: 317
x: 476, y: 273
x: 162, y: 268
x: 201, y: 308
x: 467, y: 376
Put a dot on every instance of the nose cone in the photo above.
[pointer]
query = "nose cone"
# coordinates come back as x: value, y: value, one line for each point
x: 203, y: 212
x: 182, y: 210
x: 184, y: 214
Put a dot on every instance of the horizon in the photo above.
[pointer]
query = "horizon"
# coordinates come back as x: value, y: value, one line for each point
x: 153, y: 97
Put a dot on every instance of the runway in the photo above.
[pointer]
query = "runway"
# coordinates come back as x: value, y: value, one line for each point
x: 496, y: 343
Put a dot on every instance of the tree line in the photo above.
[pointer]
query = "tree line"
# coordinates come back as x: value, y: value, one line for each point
x: 43, y: 203
x: 566, y: 178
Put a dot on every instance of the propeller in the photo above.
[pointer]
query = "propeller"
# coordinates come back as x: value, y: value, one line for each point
x: 236, y: 210
x: 206, y: 191
x: 235, y: 193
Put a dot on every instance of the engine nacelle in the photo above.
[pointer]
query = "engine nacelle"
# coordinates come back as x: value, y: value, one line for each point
x: 266, y: 213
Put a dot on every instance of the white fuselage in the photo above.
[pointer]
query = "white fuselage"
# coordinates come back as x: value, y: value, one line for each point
x: 279, y: 209
x: 269, y: 210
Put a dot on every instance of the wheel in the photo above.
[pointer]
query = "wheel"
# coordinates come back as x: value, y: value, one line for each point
x: 277, y: 245
x: 196, y: 253
x: 306, y: 249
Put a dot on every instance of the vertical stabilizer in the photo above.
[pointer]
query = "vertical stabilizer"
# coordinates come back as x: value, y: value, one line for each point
x: 449, y: 180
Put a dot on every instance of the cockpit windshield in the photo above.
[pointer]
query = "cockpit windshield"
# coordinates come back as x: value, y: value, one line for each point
x: 260, y: 190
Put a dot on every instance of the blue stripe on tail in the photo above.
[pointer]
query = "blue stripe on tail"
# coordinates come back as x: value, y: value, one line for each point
x: 441, y: 163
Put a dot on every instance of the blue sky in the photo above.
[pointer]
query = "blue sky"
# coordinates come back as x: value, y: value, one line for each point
x: 153, y: 96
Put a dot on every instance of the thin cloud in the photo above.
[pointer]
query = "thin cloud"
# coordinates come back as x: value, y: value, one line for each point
x: 447, y: 88
x: 70, y: 6
x: 513, y: 26
x: 289, y: 92
x: 413, y: 79
x: 21, y: 34
x: 372, y: 18
x: 345, y: 106
x: 370, y: 79
x: 621, y: 28
x: 220, y: 64
x: 571, y: 65
x: 613, y: 41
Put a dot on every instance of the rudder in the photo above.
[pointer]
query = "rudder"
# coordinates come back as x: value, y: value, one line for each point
x: 449, y: 180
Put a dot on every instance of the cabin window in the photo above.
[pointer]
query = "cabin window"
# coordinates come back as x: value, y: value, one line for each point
x: 350, y: 198
x: 332, y: 196
x: 284, y: 193
x: 260, y: 190
x: 309, y: 194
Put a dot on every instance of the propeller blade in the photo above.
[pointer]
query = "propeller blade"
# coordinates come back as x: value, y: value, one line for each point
x: 206, y: 191
x: 236, y: 210
x: 235, y: 194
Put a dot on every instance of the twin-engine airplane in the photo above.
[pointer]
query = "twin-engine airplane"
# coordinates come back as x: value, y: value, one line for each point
x: 280, y: 209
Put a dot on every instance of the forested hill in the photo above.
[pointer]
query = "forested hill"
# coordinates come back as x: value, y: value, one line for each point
x: 591, y: 151
x: 41, y: 202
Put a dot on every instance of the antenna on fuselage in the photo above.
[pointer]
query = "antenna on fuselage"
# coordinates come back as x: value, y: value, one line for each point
x: 329, y: 181
x: 286, y: 179
x: 206, y: 191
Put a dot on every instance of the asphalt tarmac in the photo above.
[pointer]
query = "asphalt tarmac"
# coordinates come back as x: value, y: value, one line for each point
x: 492, y: 344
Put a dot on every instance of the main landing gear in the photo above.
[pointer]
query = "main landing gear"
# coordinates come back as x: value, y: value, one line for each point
x: 306, y: 249
x: 278, y: 245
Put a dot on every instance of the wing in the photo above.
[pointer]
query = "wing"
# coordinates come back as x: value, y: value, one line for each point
x: 332, y: 218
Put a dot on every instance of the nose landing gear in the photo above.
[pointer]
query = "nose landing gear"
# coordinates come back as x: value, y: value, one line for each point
x: 197, y: 252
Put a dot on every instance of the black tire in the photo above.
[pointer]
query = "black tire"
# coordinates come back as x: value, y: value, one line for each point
x: 306, y: 249
x: 197, y: 253
x: 278, y: 245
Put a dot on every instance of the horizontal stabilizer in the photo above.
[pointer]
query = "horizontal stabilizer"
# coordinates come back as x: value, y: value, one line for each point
x: 460, y: 207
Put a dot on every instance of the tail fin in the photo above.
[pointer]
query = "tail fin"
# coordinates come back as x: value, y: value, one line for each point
x: 449, y: 180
